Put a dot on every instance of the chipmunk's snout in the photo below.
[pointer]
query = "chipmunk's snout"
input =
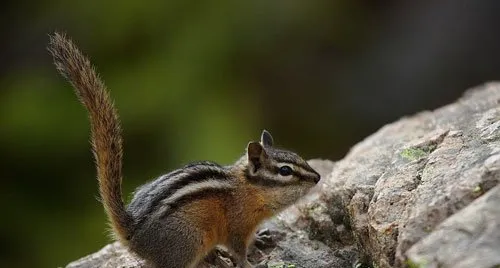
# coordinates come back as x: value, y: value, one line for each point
x: 317, y: 178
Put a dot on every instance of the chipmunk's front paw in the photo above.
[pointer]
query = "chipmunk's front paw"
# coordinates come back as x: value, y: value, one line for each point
x: 264, y: 239
x: 261, y: 265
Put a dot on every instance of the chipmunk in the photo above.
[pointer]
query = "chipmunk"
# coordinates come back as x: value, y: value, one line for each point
x: 177, y: 219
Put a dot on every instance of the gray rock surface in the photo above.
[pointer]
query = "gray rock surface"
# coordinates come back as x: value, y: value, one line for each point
x: 470, y: 238
x: 419, y: 192
x: 395, y: 187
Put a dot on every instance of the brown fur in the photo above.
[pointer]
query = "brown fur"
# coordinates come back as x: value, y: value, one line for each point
x: 248, y: 211
x: 208, y: 217
x: 222, y: 217
x: 105, y: 128
x: 203, y: 214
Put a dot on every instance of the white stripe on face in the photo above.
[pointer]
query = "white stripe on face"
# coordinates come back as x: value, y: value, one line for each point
x: 271, y: 175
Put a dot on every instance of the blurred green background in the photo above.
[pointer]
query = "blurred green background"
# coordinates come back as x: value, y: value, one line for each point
x: 197, y: 80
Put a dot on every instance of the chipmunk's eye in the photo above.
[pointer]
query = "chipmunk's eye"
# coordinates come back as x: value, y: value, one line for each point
x: 285, y: 171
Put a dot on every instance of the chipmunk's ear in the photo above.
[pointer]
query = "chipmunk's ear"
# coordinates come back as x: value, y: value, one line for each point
x: 266, y: 139
x: 256, y: 155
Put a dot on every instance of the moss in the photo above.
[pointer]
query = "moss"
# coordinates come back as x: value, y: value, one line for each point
x: 416, y: 264
x: 427, y: 229
x: 413, y: 153
x: 477, y: 189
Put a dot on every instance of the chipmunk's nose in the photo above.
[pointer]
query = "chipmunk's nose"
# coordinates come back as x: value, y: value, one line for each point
x: 317, y: 178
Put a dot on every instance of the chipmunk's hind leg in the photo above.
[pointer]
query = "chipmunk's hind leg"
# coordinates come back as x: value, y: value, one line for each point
x: 164, y: 246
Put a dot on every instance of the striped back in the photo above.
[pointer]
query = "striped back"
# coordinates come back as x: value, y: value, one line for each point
x: 187, y: 183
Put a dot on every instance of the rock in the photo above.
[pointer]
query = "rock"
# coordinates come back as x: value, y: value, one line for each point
x: 396, y: 187
x: 112, y: 255
x: 420, y: 192
x: 473, y: 231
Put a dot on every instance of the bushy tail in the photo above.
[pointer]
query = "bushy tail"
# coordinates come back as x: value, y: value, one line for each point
x: 105, y: 128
